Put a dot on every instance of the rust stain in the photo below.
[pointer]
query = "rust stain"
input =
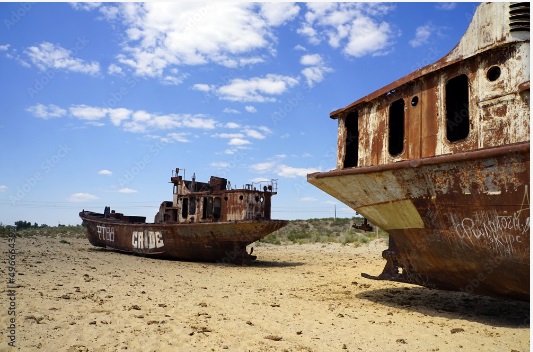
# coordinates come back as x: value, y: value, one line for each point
x: 455, y: 198
x: 205, y: 221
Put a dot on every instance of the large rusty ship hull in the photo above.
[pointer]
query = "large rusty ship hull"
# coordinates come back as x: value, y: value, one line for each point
x: 455, y: 222
x: 209, y: 242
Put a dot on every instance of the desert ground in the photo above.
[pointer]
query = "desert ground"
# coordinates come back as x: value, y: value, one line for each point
x: 71, y: 296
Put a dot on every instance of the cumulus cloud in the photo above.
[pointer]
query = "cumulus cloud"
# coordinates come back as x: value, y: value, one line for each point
x: 3, y: 188
x: 238, y: 141
x: 114, y: 70
x: 52, y: 56
x: 356, y: 28
x: 317, y: 69
x: 250, y: 108
x: 85, y: 112
x: 105, y: 172
x: 46, y: 111
x: 232, y: 125
x: 81, y: 197
x: 424, y: 33
x: 162, y: 35
x: 278, y: 13
x: 202, y: 87
x: 131, y: 121
x: 256, y: 89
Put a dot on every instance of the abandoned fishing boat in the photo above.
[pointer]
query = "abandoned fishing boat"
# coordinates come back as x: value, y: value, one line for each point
x: 204, y: 222
x: 440, y: 160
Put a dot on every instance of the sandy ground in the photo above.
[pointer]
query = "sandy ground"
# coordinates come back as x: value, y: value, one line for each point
x: 71, y: 297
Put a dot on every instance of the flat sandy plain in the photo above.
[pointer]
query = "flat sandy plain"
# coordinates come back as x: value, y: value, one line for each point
x: 71, y: 297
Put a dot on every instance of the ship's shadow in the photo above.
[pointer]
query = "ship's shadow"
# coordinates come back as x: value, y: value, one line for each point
x: 453, y: 305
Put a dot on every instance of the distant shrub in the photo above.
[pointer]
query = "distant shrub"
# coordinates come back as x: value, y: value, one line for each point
x: 322, y: 231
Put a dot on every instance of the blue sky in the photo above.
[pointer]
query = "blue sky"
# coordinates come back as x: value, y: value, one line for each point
x: 100, y: 102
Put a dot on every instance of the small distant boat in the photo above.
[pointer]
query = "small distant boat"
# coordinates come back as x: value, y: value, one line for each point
x: 440, y: 160
x: 204, y: 222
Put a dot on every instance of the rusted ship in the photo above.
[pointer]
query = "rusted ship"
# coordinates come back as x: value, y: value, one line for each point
x: 440, y: 160
x: 205, y: 221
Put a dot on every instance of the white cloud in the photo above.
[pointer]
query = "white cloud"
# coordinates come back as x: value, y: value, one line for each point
x: 127, y: 190
x: 291, y: 172
x: 367, y: 37
x: 202, y: 87
x: 282, y: 170
x: 278, y: 13
x: 118, y: 115
x: 311, y: 60
x: 263, y: 167
x: 314, y: 75
x: 81, y: 197
x: 105, y: 172
x: 165, y: 34
x: 4, y: 47
x: 85, y: 112
x: 170, y: 80
x: 114, y: 70
x: 300, y: 48
x: 265, y: 129
x: 254, y: 134
x: 232, y: 125
x: 250, y: 108
x: 356, y: 28
x: 256, y: 89
x: 131, y: 121
x: 228, y: 135
x: 317, y: 70
x: 46, y: 111
x: 179, y: 137
x: 3, y: 188
x: 238, y: 141
x: 85, y: 6
x: 231, y: 111
x: 422, y: 35
x: 52, y: 56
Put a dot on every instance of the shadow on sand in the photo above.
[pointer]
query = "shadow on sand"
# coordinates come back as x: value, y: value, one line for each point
x: 453, y: 305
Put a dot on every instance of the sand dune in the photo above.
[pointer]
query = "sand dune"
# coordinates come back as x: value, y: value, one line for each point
x: 293, y: 298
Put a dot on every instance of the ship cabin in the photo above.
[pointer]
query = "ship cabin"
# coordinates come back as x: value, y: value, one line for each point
x: 216, y: 201
x: 475, y: 97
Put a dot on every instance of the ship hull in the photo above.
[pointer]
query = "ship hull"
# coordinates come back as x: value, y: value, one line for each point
x: 455, y: 222
x: 209, y: 242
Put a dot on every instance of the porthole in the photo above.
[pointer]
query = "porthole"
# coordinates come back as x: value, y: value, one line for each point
x: 241, y: 197
x: 494, y: 73
x: 414, y: 101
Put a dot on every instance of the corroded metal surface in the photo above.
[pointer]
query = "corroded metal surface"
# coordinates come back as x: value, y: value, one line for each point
x: 458, y: 225
x: 440, y: 160
x: 204, y: 222
x: 498, y: 106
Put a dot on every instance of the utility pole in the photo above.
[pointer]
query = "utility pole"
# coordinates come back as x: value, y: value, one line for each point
x: 335, y: 208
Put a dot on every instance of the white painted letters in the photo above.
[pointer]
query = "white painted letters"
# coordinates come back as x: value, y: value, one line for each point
x: 147, y: 239
x: 106, y: 233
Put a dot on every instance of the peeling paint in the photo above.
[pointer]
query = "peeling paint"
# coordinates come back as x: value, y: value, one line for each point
x: 455, y: 200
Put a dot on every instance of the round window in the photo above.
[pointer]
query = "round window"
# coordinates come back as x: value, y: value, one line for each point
x: 494, y: 73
